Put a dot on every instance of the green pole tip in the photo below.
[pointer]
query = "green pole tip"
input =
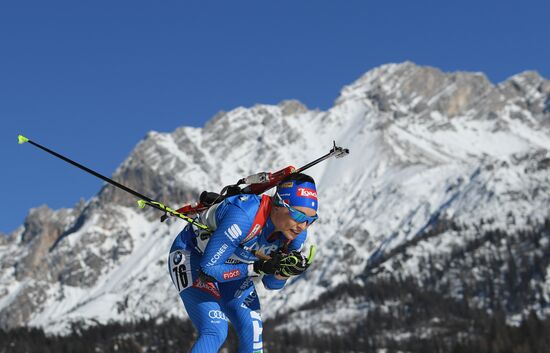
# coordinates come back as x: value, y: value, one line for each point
x: 22, y: 139
x: 141, y: 203
x: 311, y: 254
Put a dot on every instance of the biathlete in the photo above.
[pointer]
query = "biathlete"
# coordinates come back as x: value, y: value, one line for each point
x: 253, y: 236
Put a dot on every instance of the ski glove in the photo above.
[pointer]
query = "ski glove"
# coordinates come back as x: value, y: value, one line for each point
x: 295, y: 263
x: 269, y: 266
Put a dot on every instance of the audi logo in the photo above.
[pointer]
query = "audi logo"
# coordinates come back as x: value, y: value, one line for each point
x: 217, y: 314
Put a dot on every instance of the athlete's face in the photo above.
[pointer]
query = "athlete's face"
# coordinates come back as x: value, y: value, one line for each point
x: 280, y: 216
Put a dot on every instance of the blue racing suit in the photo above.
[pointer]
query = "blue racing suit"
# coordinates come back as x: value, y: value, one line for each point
x: 231, y: 294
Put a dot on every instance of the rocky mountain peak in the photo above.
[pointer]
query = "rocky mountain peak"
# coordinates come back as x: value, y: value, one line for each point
x: 40, y: 216
x: 527, y: 82
x: 530, y: 92
x: 292, y: 107
x: 407, y: 89
x: 42, y: 228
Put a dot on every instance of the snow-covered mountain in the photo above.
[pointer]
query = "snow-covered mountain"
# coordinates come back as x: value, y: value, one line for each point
x: 447, y: 183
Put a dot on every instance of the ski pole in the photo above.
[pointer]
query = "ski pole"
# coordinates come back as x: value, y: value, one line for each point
x: 269, y: 180
x: 336, y: 151
x: 143, y: 200
x: 261, y: 182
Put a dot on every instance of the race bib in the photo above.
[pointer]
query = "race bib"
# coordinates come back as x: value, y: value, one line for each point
x: 180, y: 269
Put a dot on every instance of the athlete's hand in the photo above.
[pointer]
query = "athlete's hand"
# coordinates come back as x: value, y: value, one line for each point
x: 268, y: 266
x: 295, y: 263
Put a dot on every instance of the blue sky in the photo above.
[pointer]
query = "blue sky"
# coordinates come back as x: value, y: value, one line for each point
x: 90, y: 79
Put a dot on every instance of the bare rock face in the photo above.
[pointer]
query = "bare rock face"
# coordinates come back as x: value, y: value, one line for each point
x: 26, y: 261
x: 292, y: 107
x: 43, y: 227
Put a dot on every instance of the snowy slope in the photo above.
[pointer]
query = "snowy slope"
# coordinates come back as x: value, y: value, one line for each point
x: 428, y: 149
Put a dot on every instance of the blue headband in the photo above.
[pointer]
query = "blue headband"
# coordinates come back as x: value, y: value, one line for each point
x: 294, y: 194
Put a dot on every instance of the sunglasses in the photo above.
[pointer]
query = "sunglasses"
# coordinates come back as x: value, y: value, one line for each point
x: 297, y: 216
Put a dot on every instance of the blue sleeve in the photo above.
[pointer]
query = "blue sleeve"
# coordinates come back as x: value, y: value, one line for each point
x: 273, y: 283
x: 233, y: 226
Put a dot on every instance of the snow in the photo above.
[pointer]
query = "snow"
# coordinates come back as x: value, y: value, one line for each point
x: 401, y: 175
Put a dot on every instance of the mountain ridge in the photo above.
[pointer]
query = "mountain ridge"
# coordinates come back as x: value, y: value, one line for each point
x: 434, y: 157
